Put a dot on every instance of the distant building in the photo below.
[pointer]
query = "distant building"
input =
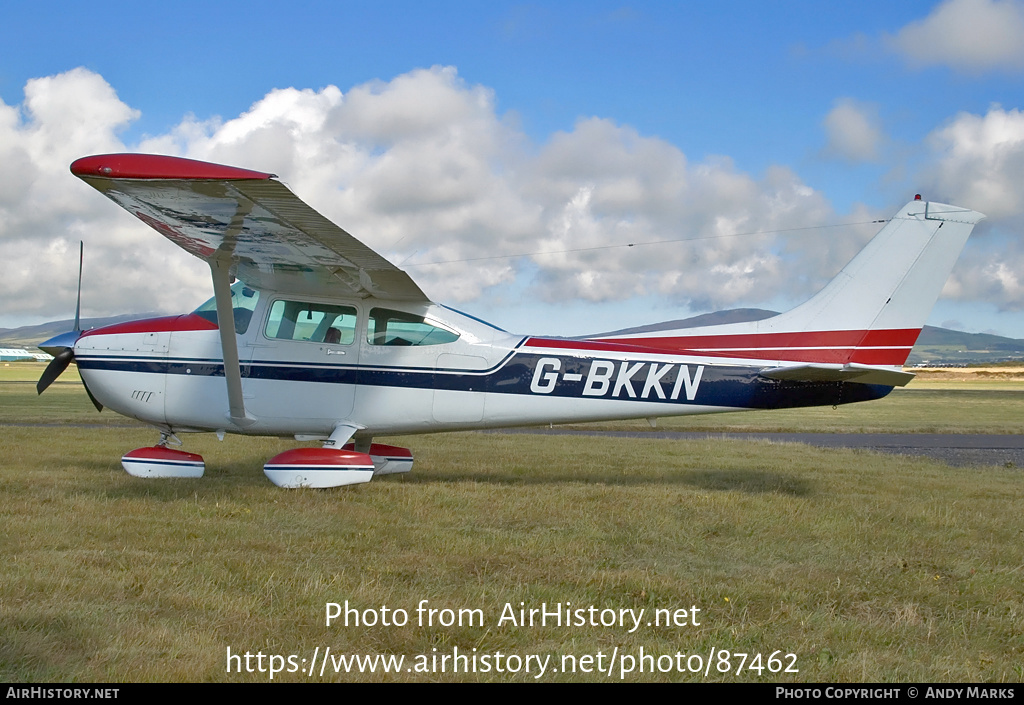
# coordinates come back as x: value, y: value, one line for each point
x: 16, y: 354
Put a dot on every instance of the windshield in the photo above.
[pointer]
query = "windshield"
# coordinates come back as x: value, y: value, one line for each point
x: 243, y: 301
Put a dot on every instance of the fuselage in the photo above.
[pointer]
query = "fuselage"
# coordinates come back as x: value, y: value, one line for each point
x: 309, y: 364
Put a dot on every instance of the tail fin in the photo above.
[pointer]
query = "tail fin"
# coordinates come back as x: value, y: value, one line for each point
x: 870, y: 314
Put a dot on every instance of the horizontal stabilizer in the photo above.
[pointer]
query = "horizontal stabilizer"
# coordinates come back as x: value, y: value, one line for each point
x: 861, y: 374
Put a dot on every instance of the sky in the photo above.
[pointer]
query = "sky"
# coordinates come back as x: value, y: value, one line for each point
x: 507, y: 154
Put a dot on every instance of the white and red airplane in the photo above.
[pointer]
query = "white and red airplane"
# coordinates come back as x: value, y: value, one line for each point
x: 331, y: 342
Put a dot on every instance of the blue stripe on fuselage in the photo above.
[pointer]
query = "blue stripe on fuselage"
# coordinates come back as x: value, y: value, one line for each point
x: 541, y: 375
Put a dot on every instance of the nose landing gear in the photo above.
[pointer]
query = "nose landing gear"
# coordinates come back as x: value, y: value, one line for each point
x: 161, y: 461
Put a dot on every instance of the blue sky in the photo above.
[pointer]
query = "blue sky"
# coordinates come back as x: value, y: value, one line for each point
x: 842, y: 97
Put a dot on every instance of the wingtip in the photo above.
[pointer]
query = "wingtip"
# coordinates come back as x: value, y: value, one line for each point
x: 157, y: 166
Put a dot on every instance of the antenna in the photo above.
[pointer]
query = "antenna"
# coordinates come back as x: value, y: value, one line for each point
x: 78, y: 304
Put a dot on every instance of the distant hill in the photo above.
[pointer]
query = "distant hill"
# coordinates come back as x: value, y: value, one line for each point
x: 937, y: 346
x: 31, y: 336
x: 940, y: 346
x: 945, y: 346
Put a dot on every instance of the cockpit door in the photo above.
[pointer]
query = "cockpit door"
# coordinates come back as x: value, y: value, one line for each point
x: 301, y: 366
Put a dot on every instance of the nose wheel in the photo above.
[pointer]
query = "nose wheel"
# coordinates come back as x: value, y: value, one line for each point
x: 161, y: 461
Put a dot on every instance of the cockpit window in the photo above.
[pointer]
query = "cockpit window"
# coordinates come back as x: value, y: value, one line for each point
x: 321, y: 323
x: 387, y: 327
x: 243, y: 302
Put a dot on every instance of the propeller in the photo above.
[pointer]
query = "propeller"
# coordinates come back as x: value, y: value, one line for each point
x: 62, y: 346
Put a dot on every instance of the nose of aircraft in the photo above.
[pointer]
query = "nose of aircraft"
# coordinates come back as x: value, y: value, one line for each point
x: 59, y: 343
x: 62, y: 347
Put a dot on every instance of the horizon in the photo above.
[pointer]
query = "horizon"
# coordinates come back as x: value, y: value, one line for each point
x: 711, y: 314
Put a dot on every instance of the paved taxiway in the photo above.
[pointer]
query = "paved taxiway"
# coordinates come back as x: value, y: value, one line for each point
x: 951, y: 448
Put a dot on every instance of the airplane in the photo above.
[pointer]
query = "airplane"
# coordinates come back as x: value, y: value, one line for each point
x: 328, y: 341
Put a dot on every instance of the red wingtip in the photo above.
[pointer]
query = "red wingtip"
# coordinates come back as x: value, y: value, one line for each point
x: 154, y: 166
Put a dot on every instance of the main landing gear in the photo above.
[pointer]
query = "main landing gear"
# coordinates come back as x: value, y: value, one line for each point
x: 332, y: 467
x: 298, y: 467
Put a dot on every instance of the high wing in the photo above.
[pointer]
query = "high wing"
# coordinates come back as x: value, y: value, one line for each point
x: 244, y: 223
x: 248, y: 222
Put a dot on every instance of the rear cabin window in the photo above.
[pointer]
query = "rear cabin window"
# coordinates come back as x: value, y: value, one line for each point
x: 387, y: 327
x: 319, y: 323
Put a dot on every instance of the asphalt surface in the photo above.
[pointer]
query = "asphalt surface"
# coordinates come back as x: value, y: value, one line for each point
x: 954, y: 449
x: 1006, y: 450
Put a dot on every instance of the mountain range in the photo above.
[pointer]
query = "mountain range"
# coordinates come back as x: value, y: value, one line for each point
x: 936, y: 346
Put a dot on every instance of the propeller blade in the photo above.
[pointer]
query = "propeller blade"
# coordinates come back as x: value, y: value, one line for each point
x: 95, y: 402
x: 57, y: 365
x: 78, y: 303
x: 62, y: 346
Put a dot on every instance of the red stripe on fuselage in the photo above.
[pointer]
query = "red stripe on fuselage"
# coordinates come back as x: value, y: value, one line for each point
x: 867, y: 356
x: 807, y: 339
x: 876, y: 347
x: 879, y: 356
x: 166, y: 324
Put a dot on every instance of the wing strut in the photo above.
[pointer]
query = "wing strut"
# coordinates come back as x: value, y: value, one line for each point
x: 220, y: 269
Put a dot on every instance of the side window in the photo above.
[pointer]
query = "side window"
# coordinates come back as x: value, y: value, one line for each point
x: 320, y: 323
x: 387, y: 327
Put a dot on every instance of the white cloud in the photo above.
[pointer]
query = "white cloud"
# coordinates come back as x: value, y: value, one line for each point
x: 972, y: 36
x: 978, y: 161
x: 996, y: 277
x: 853, y: 132
x: 423, y: 169
x: 603, y: 185
x: 44, y: 210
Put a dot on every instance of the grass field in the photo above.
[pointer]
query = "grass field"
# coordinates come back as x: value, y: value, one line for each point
x: 866, y: 567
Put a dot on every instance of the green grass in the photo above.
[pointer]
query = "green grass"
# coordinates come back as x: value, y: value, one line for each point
x: 64, y: 402
x: 30, y: 371
x: 868, y: 567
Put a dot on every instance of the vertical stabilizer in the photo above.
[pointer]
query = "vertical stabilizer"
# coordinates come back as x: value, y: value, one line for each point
x: 894, y: 282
